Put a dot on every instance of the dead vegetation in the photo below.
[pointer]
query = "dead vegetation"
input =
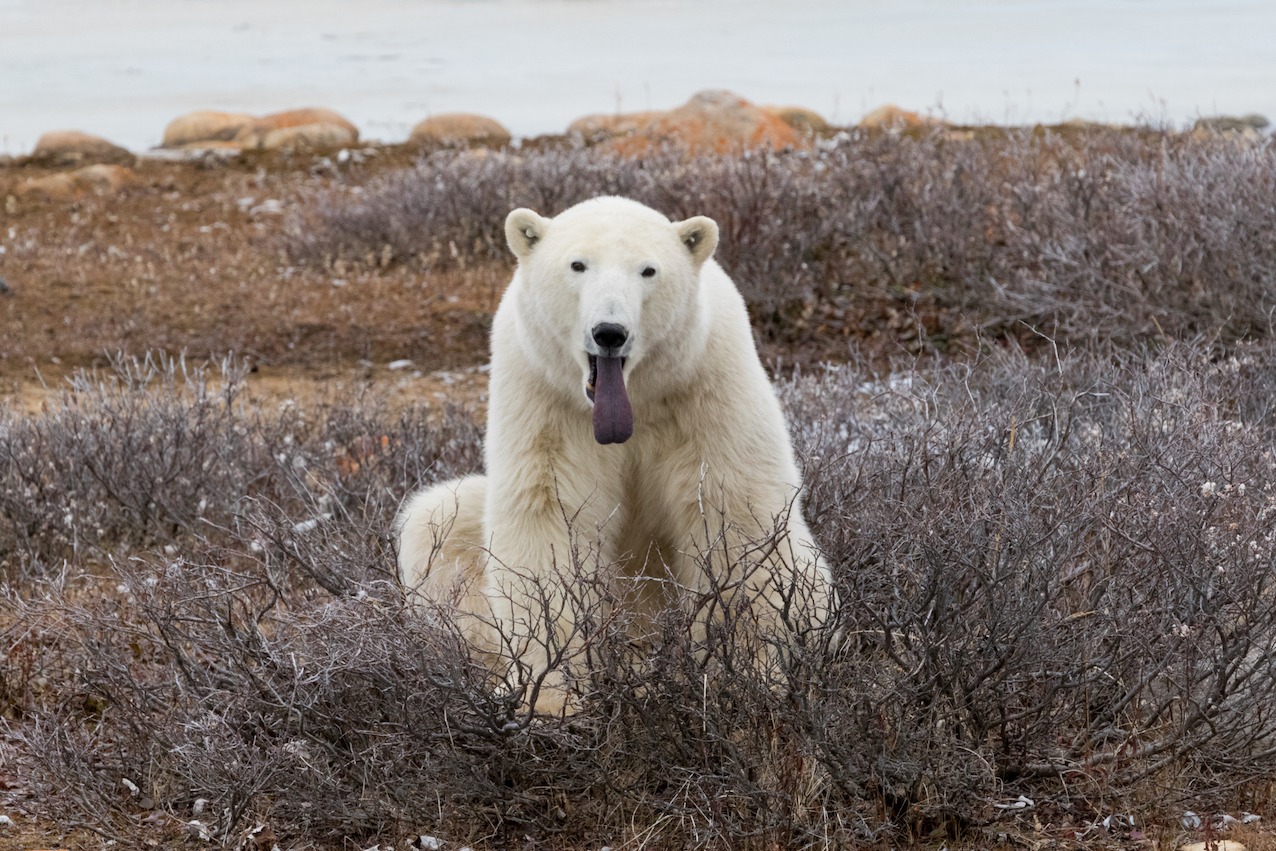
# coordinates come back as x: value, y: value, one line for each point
x: 931, y: 241
x: 1056, y: 582
x: 1041, y: 468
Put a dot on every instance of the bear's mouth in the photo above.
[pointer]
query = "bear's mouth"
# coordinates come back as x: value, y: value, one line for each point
x: 593, y: 375
x: 613, y: 416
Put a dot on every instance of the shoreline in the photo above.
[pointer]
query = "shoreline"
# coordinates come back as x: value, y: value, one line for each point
x: 534, y: 65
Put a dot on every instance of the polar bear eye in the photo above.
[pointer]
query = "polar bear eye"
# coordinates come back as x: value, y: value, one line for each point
x: 578, y: 266
x: 649, y: 272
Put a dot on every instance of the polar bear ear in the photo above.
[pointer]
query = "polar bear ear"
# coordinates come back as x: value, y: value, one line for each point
x: 523, y: 229
x: 700, y: 235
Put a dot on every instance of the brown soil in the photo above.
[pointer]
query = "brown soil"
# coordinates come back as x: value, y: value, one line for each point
x: 186, y: 259
x: 179, y: 262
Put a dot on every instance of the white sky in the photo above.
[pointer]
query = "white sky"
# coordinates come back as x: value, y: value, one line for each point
x: 123, y: 68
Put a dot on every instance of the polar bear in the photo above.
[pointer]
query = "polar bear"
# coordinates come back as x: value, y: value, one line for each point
x: 629, y: 418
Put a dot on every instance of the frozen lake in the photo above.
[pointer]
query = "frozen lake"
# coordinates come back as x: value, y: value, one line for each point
x: 123, y: 68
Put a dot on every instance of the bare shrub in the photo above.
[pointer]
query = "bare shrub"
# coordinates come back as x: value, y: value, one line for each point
x: 153, y: 452
x: 931, y: 240
x: 1055, y: 581
x: 1057, y: 571
x: 129, y: 458
x: 353, y: 716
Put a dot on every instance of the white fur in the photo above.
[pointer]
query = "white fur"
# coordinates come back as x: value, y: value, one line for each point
x: 710, y: 449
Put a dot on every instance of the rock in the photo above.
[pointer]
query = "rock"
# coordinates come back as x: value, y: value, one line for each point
x: 460, y: 128
x: 808, y: 122
x: 312, y: 128
x: 604, y: 126
x: 262, y: 132
x: 57, y: 187
x: 301, y: 117
x: 269, y: 207
x: 891, y: 117
x: 198, y: 830
x: 194, y: 152
x: 102, y: 178
x: 204, y: 126
x: 99, y: 179
x: 1232, y: 123
x: 717, y: 121
x: 314, y: 137
x: 1242, y: 136
x: 1243, y: 129
x: 1088, y: 126
x: 70, y: 147
x: 213, y: 146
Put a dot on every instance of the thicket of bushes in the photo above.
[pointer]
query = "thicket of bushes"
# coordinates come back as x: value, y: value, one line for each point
x: 1056, y: 579
x: 1088, y: 236
x: 1055, y: 567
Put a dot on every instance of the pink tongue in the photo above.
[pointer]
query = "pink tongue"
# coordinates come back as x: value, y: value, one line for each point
x: 613, y: 418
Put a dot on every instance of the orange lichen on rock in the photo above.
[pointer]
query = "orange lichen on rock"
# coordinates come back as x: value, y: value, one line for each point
x: 205, y: 126
x: 712, y: 121
x: 72, y: 146
x: 460, y: 128
x: 892, y: 117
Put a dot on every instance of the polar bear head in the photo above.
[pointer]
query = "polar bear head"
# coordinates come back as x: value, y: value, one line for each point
x: 606, y: 284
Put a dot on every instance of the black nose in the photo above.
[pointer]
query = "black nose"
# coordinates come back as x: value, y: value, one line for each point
x: 609, y: 335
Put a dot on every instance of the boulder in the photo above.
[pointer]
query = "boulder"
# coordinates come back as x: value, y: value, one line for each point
x: 301, y: 117
x: 69, y: 147
x: 208, y: 146
x: 1244, y: 136
x: 1232, y: 123
x: 892, y: 117
x: 102, y: 178
x: 1088, y: 125
x: 204, y: 126
x: 58, y: 187
x: 808, y: 122
x: 1242, y: 129
x: 460, y: 128
x: 258, y: 134
x: 605, y: 126
x: 312, y: 137
x: 713, y: 121
x: 99, y: 179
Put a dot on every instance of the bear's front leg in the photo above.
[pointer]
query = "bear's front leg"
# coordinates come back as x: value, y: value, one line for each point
x: 751, y: 562
x: 545, y: 513
x: 534, y: 628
